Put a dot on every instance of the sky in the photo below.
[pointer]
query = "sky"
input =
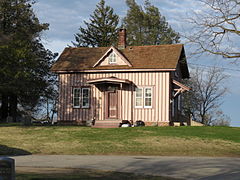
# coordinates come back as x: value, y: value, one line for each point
x: 66, y: 16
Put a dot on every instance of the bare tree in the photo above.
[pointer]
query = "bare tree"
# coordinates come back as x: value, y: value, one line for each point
x: 216, y: 29
x: 205, y: 97
x: 220, y: 119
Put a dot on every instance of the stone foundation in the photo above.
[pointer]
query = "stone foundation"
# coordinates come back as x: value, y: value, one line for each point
x: 157, y: 124
x: 81, y: 123
x: 88, y: 123
x: 163, y: 124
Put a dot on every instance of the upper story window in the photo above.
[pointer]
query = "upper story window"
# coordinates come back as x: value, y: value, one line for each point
x: 112, y: 59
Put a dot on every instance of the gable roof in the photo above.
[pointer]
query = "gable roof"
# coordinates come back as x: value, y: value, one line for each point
x: 112, y: 49
x: 140, y: 57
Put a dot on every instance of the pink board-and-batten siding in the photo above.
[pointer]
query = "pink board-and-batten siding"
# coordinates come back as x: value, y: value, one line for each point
x: 159, y: 81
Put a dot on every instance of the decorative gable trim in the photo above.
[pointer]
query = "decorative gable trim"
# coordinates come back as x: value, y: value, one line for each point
x: 182, y: 88
x: 108, y: 79
x: 117, y: 53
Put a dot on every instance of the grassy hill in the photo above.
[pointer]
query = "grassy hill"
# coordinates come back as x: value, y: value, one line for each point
x: 169, y: 141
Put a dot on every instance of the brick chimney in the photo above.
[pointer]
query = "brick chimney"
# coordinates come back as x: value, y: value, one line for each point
x: 122, y: 39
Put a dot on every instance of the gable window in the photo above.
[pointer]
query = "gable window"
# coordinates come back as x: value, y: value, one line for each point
x: 143, y: 97
x: 81, y: 97
x: 112, y: 59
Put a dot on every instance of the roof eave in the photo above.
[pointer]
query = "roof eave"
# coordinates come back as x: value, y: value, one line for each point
x: 113, y: 70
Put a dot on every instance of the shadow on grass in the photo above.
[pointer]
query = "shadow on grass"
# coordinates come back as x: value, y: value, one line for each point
x: 10, y: 124
x: 22, y: 125
x: 10, y: 151
x: 68, y: 174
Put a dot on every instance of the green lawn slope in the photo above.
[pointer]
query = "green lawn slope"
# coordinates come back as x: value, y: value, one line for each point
x: 163, y: 141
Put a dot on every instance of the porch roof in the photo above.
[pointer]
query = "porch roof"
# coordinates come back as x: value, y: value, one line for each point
x: 109, y: 80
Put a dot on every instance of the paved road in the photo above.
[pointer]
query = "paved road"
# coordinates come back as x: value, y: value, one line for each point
x: 191, y: 168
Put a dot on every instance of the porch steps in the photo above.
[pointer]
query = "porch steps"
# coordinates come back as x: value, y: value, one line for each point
x: 106, y: 124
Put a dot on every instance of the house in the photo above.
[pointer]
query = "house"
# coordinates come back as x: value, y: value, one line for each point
x: 111, y: 84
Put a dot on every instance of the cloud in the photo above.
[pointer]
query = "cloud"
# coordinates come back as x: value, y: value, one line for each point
x: 66, y: 18
x: 64, y: 21
x: 56, y: 45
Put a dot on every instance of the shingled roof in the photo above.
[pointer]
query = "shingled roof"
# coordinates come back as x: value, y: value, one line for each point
x: 141, y: 57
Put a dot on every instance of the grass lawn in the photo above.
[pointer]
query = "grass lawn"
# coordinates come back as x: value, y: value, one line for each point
x: 86, y: 174
x: 166, y: 141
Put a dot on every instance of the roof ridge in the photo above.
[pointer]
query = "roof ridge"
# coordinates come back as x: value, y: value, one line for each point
x: 158, y: 45
x: 147, y: 57
x: 128, y: 46
x: 86, y: 47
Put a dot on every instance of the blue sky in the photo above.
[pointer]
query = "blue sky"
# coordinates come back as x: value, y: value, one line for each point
x: 66, y: 16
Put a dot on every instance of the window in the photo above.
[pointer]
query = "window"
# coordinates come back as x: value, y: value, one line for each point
x: 148, y: 98
x: 81, y: 97
x: 76, y: 97
x: 112, y: 59
x: 176, y: 74
x: 143, y: 98
x: 85, y: 97
x: 179, y: 102
x: 173, y: 104
x: 139, y: 97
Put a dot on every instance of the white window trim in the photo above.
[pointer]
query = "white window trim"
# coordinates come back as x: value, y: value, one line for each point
x: 144, y: 98
x: 85, y: 88
x: 142, y: 89
x: 79, y: 98
x: 148, y: 97
x: 111, y: 56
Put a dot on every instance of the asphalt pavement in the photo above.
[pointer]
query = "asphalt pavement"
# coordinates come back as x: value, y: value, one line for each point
x: 190, y: 168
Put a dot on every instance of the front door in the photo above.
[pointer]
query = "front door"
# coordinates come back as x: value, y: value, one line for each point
x: 112, y: 104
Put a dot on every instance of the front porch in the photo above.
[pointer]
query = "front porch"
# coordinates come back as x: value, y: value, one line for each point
x: 111, y: 89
